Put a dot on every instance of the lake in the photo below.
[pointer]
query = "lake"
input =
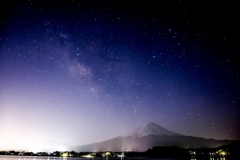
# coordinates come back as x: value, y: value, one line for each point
x: 7, y: 157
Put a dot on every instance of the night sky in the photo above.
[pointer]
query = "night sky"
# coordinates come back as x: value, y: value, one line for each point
x: 78, y: 72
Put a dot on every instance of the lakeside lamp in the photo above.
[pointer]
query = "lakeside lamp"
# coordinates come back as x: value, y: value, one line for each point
x: 65, y: 154
x: 223, y: 153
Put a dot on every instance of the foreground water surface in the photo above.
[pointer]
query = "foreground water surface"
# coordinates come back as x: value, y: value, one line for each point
x: 7, y: 157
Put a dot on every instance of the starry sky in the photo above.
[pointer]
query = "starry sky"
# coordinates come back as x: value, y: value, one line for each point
x: 77, y: 72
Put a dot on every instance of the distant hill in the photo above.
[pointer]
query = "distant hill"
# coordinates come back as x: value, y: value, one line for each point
x: 233, y: 150
x: 148, y: 136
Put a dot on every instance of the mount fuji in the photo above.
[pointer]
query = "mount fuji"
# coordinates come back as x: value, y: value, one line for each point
x: 148, y: 136
x: 149, y: 129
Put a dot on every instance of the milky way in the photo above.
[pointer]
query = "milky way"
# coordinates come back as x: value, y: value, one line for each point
x: 81, y: 72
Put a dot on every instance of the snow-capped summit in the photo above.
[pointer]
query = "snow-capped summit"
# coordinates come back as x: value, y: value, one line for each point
x: 149, y: 129
x: 148, y: 136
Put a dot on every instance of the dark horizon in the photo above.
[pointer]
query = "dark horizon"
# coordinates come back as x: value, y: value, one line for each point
x: 227, y: 152
x: 139, y: 137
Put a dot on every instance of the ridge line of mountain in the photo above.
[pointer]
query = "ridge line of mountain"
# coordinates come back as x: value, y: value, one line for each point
x: 150, y: 135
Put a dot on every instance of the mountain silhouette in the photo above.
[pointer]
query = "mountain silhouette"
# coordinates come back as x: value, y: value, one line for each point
x: 148, y: 136
x: 149, y: 129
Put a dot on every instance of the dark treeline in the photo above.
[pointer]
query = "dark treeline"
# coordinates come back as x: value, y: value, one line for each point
x: 168, y: 152
x: 159, y: 151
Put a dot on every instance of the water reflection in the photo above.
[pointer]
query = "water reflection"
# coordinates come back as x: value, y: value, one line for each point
x: 6, y: 157
x: 218, y: 158
x: 221, y: 158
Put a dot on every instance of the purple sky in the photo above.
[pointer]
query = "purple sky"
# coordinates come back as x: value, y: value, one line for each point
x: 82, y: 72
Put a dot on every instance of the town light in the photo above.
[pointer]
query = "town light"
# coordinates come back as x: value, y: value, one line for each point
x: 223, y: 153
x: 65, y: 154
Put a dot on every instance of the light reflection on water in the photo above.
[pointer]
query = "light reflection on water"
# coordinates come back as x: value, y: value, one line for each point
x: 7, y: 157
x: 221, y: 158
